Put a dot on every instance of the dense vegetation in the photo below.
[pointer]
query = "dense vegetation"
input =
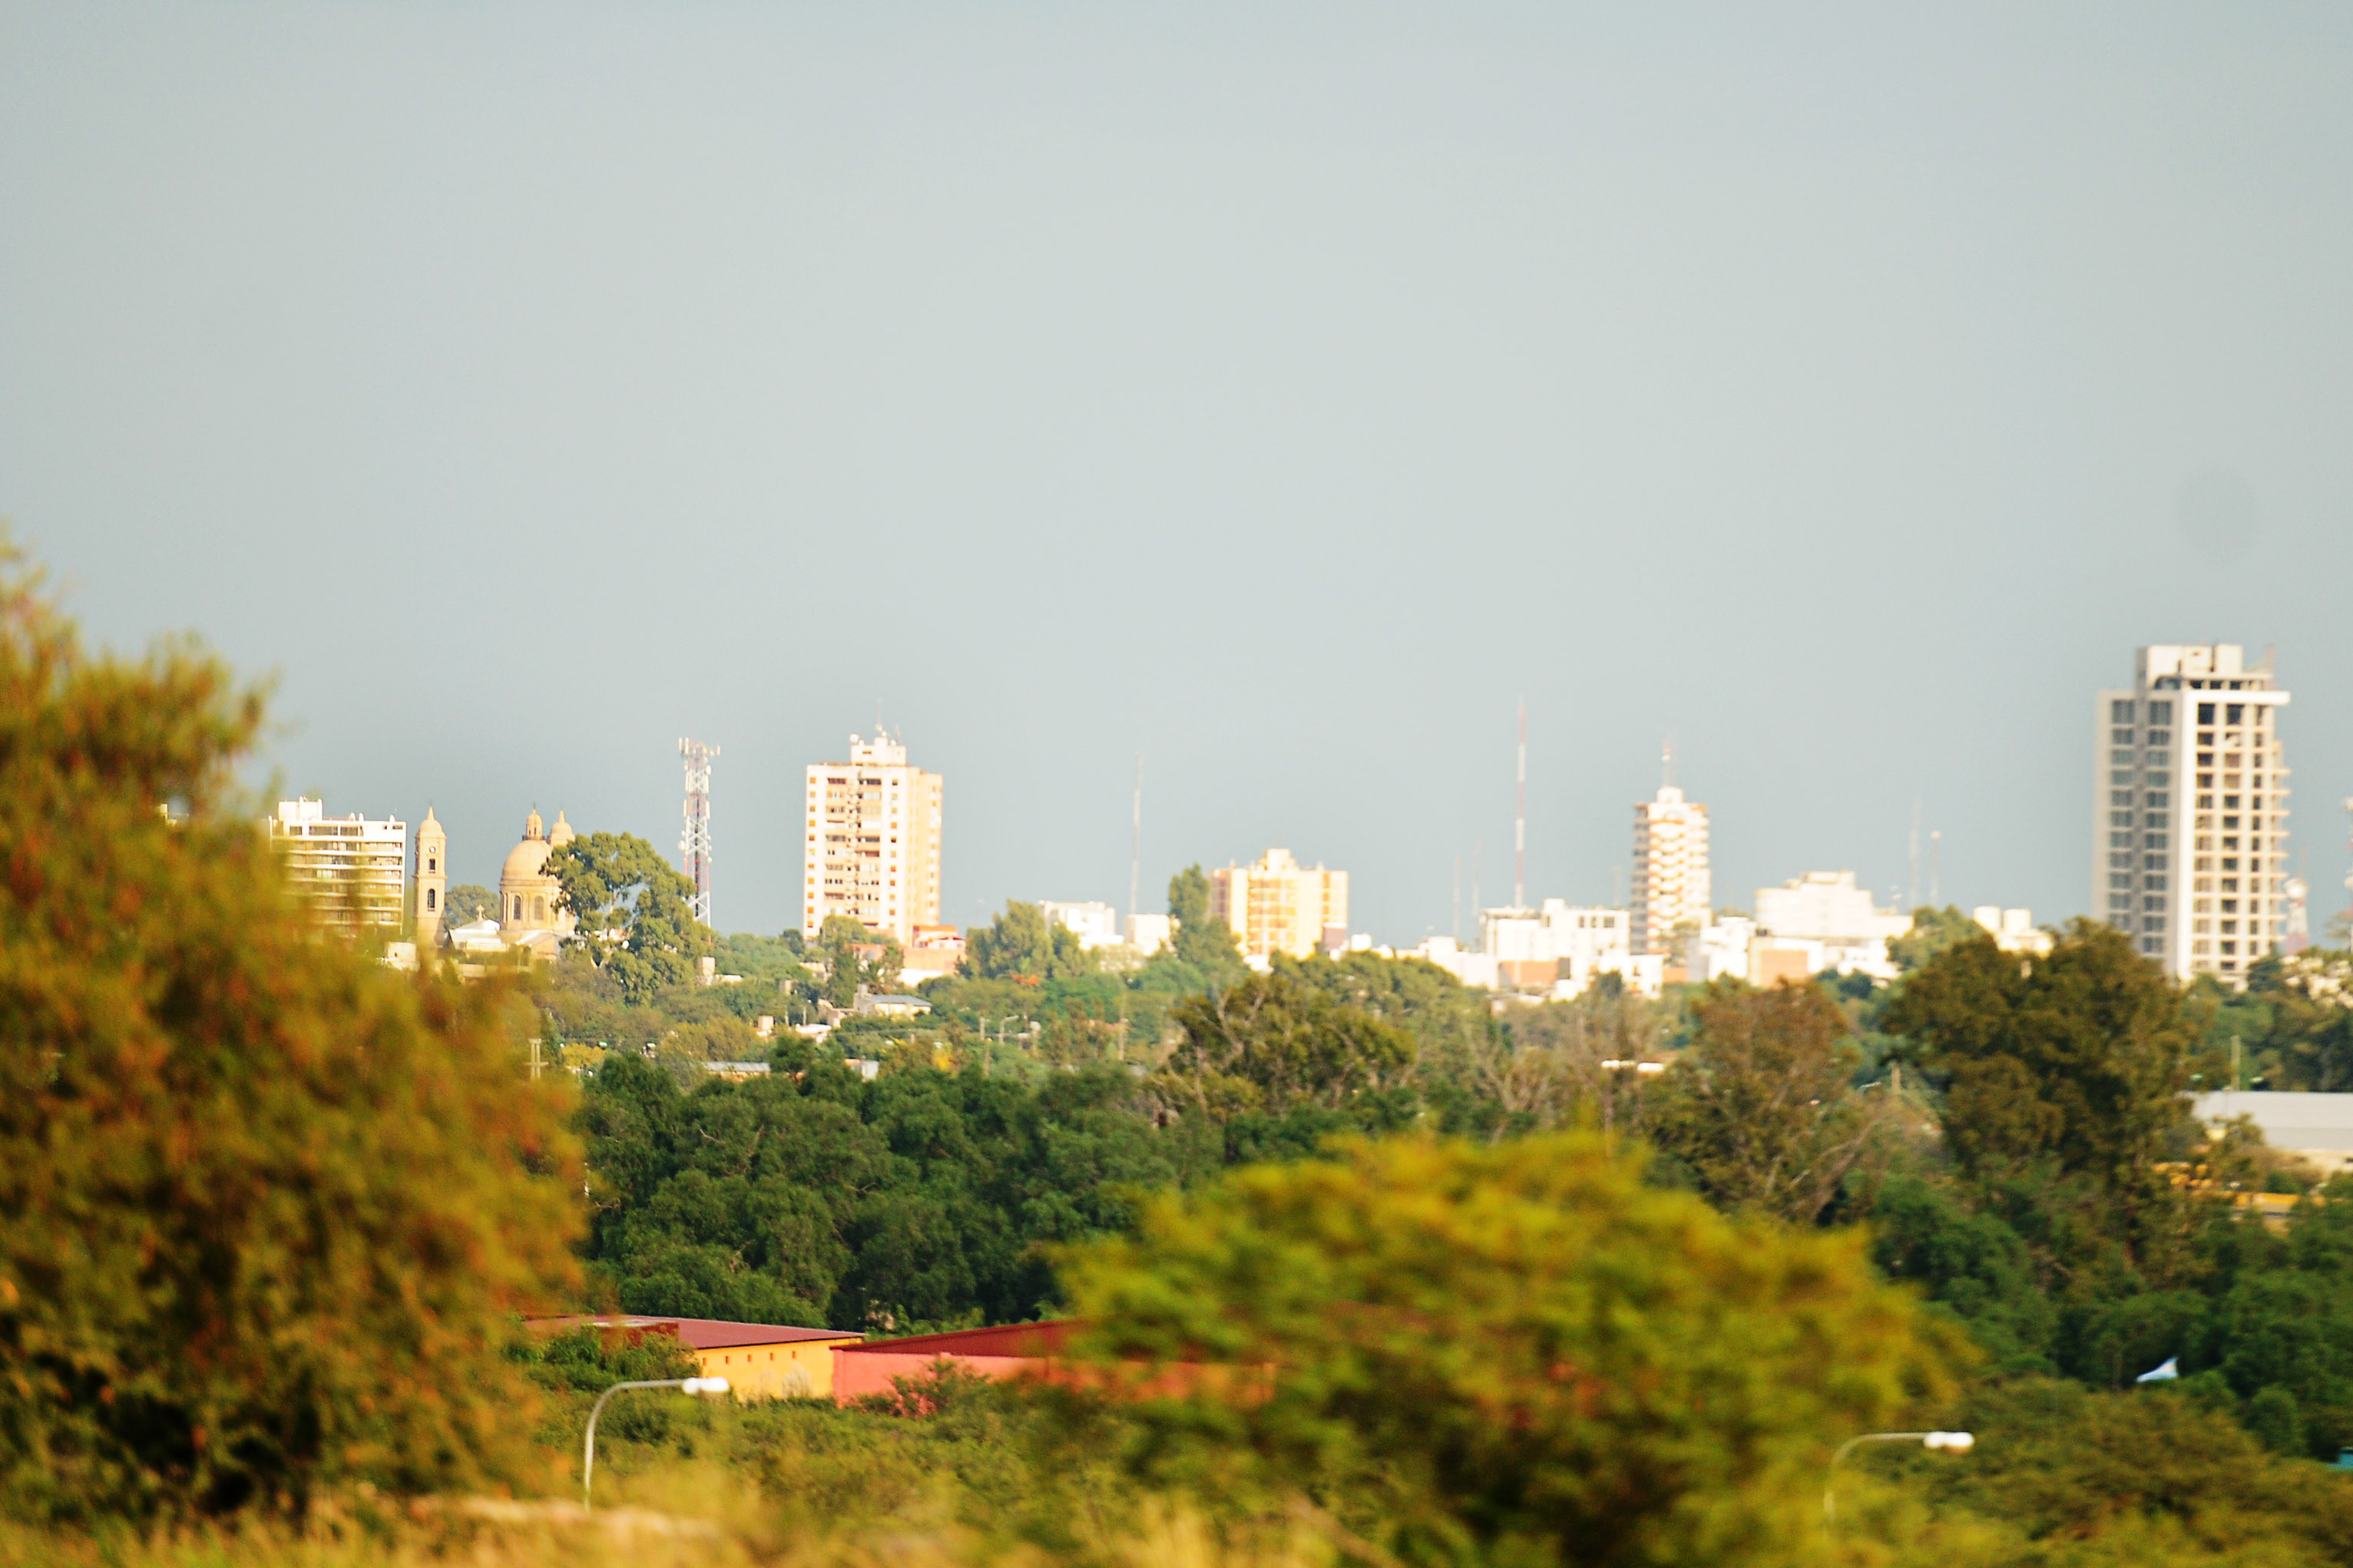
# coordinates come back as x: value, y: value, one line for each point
x: 1461, y: 1284
x: 263, y: 1205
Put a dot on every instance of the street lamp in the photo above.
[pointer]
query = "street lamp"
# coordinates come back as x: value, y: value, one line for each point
x: 1950, y: 1442
x: 683, y: 1385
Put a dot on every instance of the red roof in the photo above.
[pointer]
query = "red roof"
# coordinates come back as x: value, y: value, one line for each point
x: 1011, y: 1339
x: 698, y: 1333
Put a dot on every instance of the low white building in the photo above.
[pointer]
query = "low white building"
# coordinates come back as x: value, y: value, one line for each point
x: 1826, y: 909
x: 1719, y: 950
x: 1577, y: 941
x: 1471, y: 968
x: 1097, y: 924
x: 1150, y: 933
x: 2318, y: 1127
x: 2013, y: 930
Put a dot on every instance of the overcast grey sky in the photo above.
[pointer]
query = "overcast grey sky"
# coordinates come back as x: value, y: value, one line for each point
x: 1279, y: 391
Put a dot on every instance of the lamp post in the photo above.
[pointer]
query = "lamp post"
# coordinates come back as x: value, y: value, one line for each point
x: 1950, y: 1442
x: 588, y: 1454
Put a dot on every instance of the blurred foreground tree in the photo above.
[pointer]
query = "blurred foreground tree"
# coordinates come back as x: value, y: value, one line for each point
x: 265, y: 1206
x: 1519, y: 1354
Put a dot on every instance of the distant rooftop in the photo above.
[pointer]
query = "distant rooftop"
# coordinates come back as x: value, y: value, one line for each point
x: 697, y: 1333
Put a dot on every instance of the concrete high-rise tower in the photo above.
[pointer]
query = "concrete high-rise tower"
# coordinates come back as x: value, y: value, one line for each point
x: 872, y: 851
x: 432, y: 879
x: 1671, y: 876
x: 2190, y: 810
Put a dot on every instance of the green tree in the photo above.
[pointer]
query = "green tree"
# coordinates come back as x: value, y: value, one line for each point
x: 1022, y: 944
x: 467, y: 902
x: 1933, y: 931
x: 1271, y: 1043
x: 1759, y: 1107
x: 839, y: 941
x: 635, y: 910
x: 2071, y: 1066
x: 1203, y: 944
x: 1517, y: 1353
x: 265, y: 1207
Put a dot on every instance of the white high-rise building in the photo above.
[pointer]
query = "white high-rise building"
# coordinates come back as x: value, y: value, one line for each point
x: 1670, y: 884
x: 2190, y: 810
x: 872, y: 850
x: 350, y: 870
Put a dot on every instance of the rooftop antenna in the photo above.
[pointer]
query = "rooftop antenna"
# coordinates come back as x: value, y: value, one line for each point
x: 1667, y: 762
x: 694, y: 844
x: 1135, y: 857
x: 1935, y: 843
x: 1520, y: 823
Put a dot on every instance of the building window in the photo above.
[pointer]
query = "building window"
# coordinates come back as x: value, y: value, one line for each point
x: 2154, y: 884
x: 429, y: 905
x: 2237, y: 715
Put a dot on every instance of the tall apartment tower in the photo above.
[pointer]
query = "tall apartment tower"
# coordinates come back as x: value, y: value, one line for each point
x: 1278, y: 905
x: 874, y: 847
x: 432, y: 879
x: 2190, y: 810
x: 1671, y: 881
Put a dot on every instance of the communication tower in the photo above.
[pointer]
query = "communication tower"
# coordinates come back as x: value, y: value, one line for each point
x: 694, y: 845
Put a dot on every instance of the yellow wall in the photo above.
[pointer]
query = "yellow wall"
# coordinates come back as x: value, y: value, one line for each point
x: 766, y: 1372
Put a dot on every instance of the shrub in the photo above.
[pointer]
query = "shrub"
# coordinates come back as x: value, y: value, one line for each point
x: 265, y: 1206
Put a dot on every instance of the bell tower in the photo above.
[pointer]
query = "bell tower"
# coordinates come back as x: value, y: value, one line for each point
x: 432, y: 880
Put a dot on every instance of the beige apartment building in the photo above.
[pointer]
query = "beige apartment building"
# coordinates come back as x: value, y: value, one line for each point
x: 1278, y: 905
x: 872, y: 850
x: 2190, y: 809
x: 1671, y: 886
x: 352, y: 871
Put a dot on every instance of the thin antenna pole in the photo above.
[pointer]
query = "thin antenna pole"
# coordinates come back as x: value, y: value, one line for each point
x: 1458, y: 901
x: 1520, y: 822
x: 1915, y: 856
x: 1135, y: 857
x: 1936, y: 841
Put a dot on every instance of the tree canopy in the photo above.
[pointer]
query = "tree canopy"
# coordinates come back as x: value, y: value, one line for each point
x: 1517, y: 1353
x: 635, y: 910
x: 2077, y: 1062
x: 1022, y: 944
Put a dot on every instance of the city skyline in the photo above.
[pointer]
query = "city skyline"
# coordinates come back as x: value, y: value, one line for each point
x: 1841, y: 395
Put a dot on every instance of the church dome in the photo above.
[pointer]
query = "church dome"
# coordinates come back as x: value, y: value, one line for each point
x: 525, y: 861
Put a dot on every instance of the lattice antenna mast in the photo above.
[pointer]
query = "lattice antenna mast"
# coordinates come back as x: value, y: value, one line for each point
x: 694, y: 845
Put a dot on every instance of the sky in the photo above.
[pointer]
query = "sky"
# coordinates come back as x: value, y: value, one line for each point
x: 1280, y: 393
